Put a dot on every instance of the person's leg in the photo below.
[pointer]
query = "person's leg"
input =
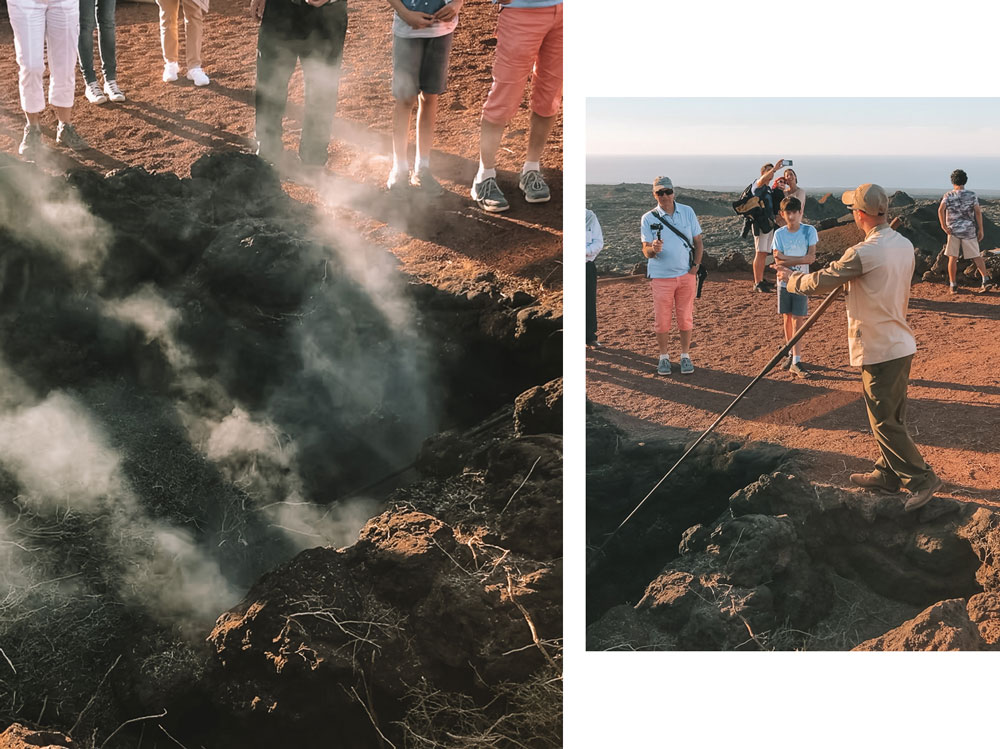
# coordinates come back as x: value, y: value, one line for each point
x: 759, y: 261
x: 546, y: 85
x: 538, y: 136
x: 426, y: 117
x: 591, y: 293
x: 788, y: 326
x: 62, y: 46
x: 684, y: 294
x: 86, y: 43
x: 663, y: 310
x: 952, y: 250
x: 27, y: 19
x: 685, y: 344
x: 981, y: 267
x: 490, y: 134
x: 520, y: 33
x: 276, y: 57
x: 884, y: 387
x: 797, y: 322
x: 321, y: 59
x: 402, y: 113
x: 663, y: 343
x: 406, y: 56
x: 193, y: 25
x: 433, y: 81
x: 168, y: 28
x: 106, y: 40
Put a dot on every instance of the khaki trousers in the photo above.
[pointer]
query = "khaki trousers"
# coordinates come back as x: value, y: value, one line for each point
x: 169, y: 12
x: 885, y: 386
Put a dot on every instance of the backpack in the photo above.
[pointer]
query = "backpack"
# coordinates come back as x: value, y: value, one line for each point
x: 748, y: 202
x: 754, y: 211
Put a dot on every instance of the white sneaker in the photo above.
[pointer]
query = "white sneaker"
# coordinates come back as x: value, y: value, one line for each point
x: 198, y: 76
x: 170, y: 71
x: 93, y: 93
x: 112, y: 91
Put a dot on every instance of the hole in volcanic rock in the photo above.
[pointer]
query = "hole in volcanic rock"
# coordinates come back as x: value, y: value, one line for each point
x: 195, y: 372
x: 735, y: 551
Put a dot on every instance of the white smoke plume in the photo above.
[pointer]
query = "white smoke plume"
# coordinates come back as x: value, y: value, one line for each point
x: 40, y: 210
x: 186, y: 583
x: 309, y: 525
x: 156, y: 318
x: 58, y: 456
x: 255, y: 456
x: 63, y: 463
x: 238, y: 435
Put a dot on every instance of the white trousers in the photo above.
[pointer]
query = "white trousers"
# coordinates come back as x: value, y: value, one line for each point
x: 41, y: 26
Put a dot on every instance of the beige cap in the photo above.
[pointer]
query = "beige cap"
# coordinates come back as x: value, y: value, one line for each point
x: 662, y: 182
x: 868, y: 198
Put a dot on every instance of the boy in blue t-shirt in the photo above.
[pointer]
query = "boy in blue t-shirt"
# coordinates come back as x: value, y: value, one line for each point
x: 794, y: 247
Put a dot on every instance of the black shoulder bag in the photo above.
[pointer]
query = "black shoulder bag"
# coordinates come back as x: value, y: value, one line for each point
x: 702, y: 274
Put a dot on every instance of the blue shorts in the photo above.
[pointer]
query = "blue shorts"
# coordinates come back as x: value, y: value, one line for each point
x: 420, y: 64
x: 792, y: 304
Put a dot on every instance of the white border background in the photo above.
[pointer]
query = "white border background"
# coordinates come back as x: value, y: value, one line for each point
x: 802, y: 700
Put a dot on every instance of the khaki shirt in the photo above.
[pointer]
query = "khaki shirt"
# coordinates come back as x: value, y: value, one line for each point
x: 877, y: 272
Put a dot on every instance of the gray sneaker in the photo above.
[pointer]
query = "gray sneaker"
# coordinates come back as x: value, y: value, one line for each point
x: 489, y: 196
x: 423, y: 180
x: 687, y: 367
x: 67, y: 136
x: 799, y: 370
x: 534, y: 188
x: 663, y: 368
x: 31, y: 144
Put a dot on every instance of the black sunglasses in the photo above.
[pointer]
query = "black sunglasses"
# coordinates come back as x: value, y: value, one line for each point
x: 664, y: 192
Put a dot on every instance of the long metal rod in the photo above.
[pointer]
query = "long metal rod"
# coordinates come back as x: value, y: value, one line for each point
x: 767, y: 368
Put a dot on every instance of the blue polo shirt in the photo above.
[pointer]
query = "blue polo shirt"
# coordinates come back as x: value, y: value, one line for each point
x: 674, y: 259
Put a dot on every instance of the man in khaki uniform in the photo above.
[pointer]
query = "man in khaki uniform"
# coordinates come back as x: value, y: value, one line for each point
x: 877, y: 272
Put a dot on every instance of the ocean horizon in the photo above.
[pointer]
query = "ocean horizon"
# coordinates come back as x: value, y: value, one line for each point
x: 920, y: 176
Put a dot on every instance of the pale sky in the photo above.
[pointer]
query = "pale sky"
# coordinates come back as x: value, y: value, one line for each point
x: 882, y: 127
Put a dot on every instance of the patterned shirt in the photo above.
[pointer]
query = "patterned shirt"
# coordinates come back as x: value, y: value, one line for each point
x: 960, y: 213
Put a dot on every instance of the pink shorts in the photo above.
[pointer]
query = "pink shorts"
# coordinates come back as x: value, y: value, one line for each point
x: 674, y: 295
x: 528, y: 39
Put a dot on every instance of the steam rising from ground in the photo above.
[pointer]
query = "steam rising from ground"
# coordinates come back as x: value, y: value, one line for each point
x: 58, y: 457
x: 61, y: 460
x: 82, y: 508
x: 36, y: 210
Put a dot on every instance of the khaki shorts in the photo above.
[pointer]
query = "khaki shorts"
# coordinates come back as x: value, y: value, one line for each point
x: 762, y: 242
x: 968, y: 247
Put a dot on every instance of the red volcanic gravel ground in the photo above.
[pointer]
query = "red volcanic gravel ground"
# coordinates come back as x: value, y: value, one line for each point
x: 954, y: 396
x: 166, y: 127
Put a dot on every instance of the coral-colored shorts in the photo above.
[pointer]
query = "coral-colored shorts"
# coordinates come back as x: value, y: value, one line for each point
x: 674, y: 296
x: 528, y: 40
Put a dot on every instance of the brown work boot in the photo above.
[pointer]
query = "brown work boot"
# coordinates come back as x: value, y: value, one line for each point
x: 923, y: 496
x: 876, y: 481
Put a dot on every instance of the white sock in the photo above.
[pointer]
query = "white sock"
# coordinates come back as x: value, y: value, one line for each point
x: 796, y: 359
x: 531, y: 166
x: 484, y: 173
x: 952, y: 285
x: 664, y: 357
x: 423, y: 163
x: 400, y: 167
x: 686, y: 356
